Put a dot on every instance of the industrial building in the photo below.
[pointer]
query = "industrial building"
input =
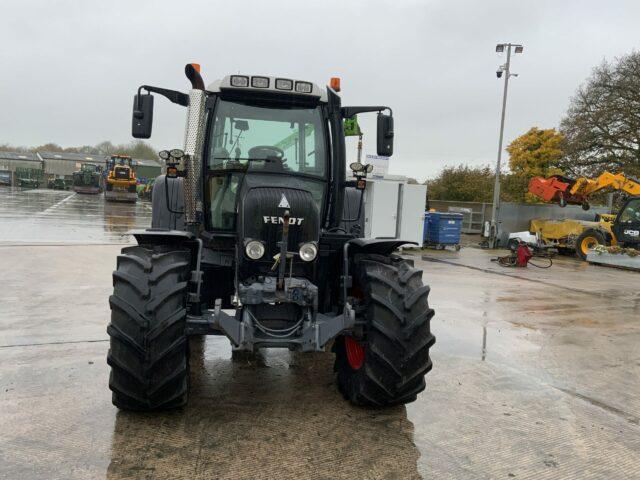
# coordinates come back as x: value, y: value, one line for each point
x: 46, y: 166
x: 146, y: 169
x: 15, y: 164
x: 63, y: 164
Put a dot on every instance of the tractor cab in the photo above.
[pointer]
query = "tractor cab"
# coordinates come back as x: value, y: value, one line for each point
x: 256, y: 139
x: 120, y: 167
x: 626, y: 226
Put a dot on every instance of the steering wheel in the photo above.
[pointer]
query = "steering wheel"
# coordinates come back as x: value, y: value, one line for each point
x: 265, y: 152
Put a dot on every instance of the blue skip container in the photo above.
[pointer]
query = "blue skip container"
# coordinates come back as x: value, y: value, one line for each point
x: 442, y: 228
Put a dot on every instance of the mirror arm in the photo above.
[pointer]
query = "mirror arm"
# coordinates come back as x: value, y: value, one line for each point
x: 172, y: 95
x: 348, y: 112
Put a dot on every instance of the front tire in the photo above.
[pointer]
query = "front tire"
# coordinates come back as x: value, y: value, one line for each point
x: 587, y: 240
x: 148, y: 351
x: 387, y: 365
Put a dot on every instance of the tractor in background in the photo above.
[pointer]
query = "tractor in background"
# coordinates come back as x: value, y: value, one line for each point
x: 87, y: 179
x: 120, y: 182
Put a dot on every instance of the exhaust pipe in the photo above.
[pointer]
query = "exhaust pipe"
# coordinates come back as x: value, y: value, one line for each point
x: 193, y: 145
x: 192, y: 71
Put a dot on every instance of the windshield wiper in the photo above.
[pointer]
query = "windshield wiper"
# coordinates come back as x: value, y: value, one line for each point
x: 247, y: 159
x: 267, y: 159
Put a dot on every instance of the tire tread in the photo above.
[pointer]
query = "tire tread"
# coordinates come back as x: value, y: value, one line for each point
x: 397, y: 338
x: 148, y: 351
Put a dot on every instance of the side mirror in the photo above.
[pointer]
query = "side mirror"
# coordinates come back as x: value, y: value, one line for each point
x: 142, y: 119
x: 385, y: 135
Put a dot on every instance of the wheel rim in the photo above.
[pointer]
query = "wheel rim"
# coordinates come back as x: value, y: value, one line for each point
x: 355, y: 353
x: 588, y: 243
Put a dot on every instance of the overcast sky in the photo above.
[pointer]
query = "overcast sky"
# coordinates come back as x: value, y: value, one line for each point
x: 70, y: 68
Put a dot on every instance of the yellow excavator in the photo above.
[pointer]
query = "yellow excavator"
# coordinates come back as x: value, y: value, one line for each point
x: 621, y: 229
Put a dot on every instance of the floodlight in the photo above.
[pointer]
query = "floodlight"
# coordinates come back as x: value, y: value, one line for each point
x: 356, y: 167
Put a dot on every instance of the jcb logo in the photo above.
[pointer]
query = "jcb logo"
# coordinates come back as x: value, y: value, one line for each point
x: 632, y: 233
x: 279, y: 220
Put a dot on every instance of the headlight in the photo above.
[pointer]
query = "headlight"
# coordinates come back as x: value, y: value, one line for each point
x: 308, y: 251
x: 176, y: 153
x: 259, y: 82
x: 239, y: 81
x: 356, y: 167
x: 284, y: 84
x: 304, y: 87
x: 254, y: 249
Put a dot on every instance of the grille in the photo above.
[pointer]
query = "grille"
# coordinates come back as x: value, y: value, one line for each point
x: 261, y: 217
x: 122, y: 173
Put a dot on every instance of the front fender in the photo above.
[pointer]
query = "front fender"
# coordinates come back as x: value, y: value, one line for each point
x: 380, y: 246
x: 176, y: 239
x: 161, y: 236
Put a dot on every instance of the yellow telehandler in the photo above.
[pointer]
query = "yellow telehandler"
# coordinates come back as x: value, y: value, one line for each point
x: 579, y: 235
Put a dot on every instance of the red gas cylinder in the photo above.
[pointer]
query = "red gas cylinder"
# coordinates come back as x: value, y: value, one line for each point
x: 524, y: 255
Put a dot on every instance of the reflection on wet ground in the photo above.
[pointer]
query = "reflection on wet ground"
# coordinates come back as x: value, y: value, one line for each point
x: 63, y: 217
x: 535, y: 376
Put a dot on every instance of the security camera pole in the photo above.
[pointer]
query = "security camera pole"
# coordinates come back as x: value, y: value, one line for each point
x: 504, y: 69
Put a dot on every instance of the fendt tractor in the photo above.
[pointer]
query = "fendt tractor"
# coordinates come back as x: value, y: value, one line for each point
x: 256, y: 236
x: 120, y: 183
x: 87, y: 179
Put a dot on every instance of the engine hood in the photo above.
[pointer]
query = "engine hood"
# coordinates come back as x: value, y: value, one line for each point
x: 262, y: 204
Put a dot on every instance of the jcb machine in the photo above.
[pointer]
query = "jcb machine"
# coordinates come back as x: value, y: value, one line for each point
x: 249, y: 240
x: 120, y: 181
x: 621, y: 229
x: 87, y: 179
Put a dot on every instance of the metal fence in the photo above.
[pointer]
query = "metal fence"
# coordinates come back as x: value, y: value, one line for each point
x: 474, y: 214
x: 513, y: 217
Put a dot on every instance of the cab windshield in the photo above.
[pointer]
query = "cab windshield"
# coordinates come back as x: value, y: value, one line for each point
x: 277, y: 140
x: 631, y: 213
x: 247, y: 139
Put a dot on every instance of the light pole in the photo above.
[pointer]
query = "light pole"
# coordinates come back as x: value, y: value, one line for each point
x: 506, y: 70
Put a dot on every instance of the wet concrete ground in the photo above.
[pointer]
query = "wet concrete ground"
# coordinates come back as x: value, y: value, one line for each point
x: 536, y: 375
x: 64, y: 217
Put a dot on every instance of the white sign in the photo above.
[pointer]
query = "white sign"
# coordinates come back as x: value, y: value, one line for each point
x: 380, y: 165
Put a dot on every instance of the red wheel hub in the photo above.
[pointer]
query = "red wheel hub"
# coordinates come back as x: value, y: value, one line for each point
x: 355, y: 353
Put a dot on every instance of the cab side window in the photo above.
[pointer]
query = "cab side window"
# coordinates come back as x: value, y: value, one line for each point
x: 631, y: 213
x: 222, y: 195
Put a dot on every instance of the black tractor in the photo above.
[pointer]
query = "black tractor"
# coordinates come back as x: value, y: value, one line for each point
x: 256, y: 235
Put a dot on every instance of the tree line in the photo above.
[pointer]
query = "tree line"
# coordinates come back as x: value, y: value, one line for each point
x: 136, y: 149
x: 600, y: 131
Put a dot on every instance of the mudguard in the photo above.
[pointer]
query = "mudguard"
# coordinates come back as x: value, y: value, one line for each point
x: 351, y: 206
x: 158, y: 236
x: 167, y: 200
x: 178, y: 239
x: 380, y: 246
